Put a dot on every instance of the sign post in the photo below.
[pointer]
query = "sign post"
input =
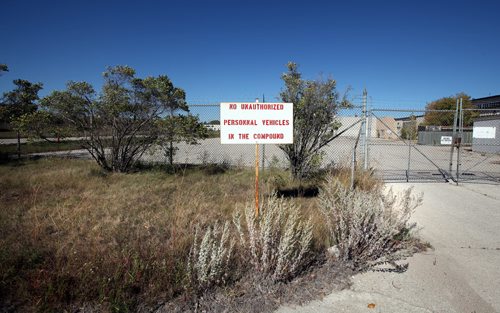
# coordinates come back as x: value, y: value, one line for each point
x: 257, y: 175
x: 256, y: 123
x: 256, y: 180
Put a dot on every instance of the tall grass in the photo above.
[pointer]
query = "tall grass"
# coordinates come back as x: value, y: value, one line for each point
x: 70, y: 233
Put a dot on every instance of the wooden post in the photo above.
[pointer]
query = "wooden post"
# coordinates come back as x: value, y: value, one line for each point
x: 257, y: 176
x: 256, y: 180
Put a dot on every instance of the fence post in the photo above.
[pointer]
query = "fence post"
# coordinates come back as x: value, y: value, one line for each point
x: 353, y: 167
x: 263, y: 157
x: 459, y: 137
x: 409, y: 161
x: 363, y: 128
x: 454, y: 137
x: 353, y: 161
x: 367, y: 141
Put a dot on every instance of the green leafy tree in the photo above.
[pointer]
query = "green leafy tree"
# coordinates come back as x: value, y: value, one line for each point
x: 180, y: 128
x: 20, y: 101
x: 173, y: 100
x: 42, y: 124
x: 315, y: 105
x: 449, y: 103
x: 121, y: 123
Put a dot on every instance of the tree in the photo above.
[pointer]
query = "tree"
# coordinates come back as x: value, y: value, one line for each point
x: 18, y: 102
x: 42, y: 124
x: 437, y: 118
x: 409, y: 129
x: 173, y: 128
x: 315, y: 105
x: 178, y: 128
x: 3, y: 68
x: 121, y: 123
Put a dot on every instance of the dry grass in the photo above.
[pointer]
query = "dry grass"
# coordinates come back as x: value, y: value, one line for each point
x: 71, y: 233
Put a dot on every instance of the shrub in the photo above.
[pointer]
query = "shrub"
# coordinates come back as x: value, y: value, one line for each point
x: 367, y: 227
x: 208, y: 261
x: 278, y: 242
x: 315, y: 107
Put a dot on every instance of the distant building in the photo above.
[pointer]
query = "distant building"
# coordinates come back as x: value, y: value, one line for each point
x: 402, y: 122
x: 214, y: 127
x: 491, y: 104
x: 386, y: 128
x: 486, y: 130
x: 486, y: 134
x: 350, y: 126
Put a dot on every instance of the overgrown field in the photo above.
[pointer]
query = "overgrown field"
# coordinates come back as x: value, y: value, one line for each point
x: 72, y: 234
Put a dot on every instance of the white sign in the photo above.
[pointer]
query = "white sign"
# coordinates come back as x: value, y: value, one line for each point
x: 484, y: 132
x: 253, y: 123
x: 446, y: 140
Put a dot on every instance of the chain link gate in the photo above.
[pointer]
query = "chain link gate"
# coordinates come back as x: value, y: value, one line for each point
x: 403, y: 150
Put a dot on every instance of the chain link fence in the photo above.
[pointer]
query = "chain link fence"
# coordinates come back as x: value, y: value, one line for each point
x: 464, y: 146
x: 399, y: 145
x: 338, y: 152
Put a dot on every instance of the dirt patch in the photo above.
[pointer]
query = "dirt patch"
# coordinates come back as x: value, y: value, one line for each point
x: 254, y: 294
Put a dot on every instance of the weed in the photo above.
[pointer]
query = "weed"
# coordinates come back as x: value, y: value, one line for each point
x: 367, y: 227
x: 278, y: 241
x: 209, y: 259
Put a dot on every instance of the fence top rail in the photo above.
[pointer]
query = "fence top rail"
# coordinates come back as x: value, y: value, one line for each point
x: 431, y: 110
x: 340, y: 108
x: 409, y: 110
x: 483, y: 110
x: 204, y: 104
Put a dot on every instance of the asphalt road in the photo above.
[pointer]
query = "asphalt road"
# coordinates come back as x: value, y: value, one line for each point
x: 461, y: 274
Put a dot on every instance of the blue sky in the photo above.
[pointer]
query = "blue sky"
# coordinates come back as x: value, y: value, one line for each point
x: 405, y: 54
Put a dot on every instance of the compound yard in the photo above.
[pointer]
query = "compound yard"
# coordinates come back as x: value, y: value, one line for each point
x: 391, y: 159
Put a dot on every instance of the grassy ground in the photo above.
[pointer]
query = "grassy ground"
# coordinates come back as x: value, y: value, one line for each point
x: 8, y: 134
x: 69, y: 232
x: 40, y: 146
